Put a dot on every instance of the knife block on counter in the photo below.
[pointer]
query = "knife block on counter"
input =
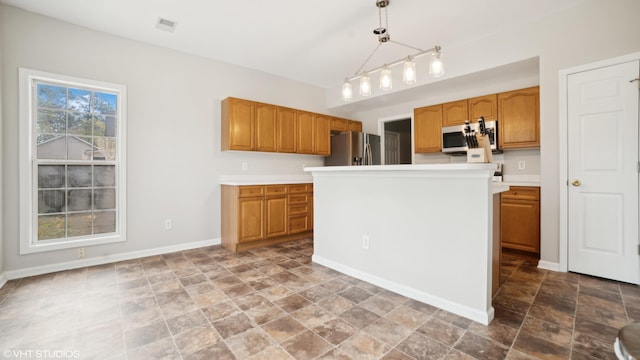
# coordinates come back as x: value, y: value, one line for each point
x: 481, y: 154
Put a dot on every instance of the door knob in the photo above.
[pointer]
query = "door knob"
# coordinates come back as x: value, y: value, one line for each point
x: 576, y: 183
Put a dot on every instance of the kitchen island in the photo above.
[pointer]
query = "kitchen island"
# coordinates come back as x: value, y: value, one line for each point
x: 423, y: 231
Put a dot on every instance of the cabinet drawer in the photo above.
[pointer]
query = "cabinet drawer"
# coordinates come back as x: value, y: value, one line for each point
x: 298, y: 188
x: 298, y: 224
x: 275, y: 190
x: 298, y: 199
x: 522, y: 193
x: 298, y: 209
x: 251, y: 191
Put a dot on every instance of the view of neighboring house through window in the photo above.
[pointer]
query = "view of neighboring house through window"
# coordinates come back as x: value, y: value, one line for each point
x: 76, y: 163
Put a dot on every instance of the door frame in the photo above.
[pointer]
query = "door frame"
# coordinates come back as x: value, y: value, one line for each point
x: 383, y: 120
x: 563, y: 120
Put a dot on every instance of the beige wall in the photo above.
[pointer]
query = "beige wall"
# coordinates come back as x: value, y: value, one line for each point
x: 2, y: 151
x: 592, y: 31
x: 173, y: 150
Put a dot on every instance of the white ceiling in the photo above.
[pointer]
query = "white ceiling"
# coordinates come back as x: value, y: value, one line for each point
x: 316, y: 42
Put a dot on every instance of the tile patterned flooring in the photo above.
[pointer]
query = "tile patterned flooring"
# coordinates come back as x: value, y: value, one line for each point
x: 273, y: 303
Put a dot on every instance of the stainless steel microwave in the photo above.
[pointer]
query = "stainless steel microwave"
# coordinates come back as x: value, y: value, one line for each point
x: 453, y: 139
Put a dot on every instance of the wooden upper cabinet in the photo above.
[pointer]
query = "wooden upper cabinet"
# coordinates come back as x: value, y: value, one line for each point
x: 427, y: 127
x: 266, y: 127
x: 454, y: 113
x: 354, y: 126
x: 485, y: 106
x: 322, y: 135
x: 238, y: 124
x: 519, y: 118
x: 305, y: 132
x: 338, y: 124
x: 287, y: 127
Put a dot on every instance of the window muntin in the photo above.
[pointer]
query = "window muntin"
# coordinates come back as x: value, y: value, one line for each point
x: 76, y: 173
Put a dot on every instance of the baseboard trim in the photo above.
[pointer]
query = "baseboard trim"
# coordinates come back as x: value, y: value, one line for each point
x: 465, y: 311
x: 548, y: 265
x: 76, y: 264
x: 3, y: 279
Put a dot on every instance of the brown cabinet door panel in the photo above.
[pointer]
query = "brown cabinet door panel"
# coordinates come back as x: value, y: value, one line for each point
x: 266, y: 127
x: 298, y: 224
x: 251, y: 215
x: 287, y: 127
x: 454, y: 113
x: 322, y: 135
x: 520, y: 225
x: 276, y: 220
x: 427, y: 123
x: 485, y: 106
x: 238, y: 122
x: 519, y: 118
x: 305, y: 132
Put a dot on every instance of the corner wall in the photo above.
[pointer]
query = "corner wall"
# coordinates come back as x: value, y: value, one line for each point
x: 173, y: 151
x: 2, y: 151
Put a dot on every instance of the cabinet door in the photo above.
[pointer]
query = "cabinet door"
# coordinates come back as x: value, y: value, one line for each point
x: 338, y: 124
x: 485, y: 106
x: 251, y: 215
x: 276, y: 216
x: 287, y: 123
x: 520, y: 225
x: 354, y: 126
x: 454, y: 113
x: 238, y: 124
x: 305, y: 132
x: 322, y: 135
x: 266, y: 125
x: 427, y: 127
x: 519, y: 119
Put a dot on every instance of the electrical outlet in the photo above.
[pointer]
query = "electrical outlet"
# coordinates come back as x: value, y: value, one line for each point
x: 168, y: 224
x: 365, y: 242
x: 521, y: 165
x: 80, y: 253
x: 245, y: 166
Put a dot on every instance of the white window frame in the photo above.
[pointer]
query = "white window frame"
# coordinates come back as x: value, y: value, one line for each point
x: 28, y: 176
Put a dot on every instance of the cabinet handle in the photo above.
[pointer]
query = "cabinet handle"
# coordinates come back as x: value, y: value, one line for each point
x: 515, y: 193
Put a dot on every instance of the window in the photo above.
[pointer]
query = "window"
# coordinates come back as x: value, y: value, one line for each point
x: 72, y: 162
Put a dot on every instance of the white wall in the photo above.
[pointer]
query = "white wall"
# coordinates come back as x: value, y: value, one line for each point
x: 592, y: 31
x: 174, y: 157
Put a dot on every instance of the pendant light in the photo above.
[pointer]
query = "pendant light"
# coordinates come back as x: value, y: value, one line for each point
x: 365, y: 85
x: 436, y: 68
x: 386, y: 83
x: 409, y: 74
x: 347, y: 91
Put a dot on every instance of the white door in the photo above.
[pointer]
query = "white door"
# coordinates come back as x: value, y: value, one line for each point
x: 391, y: 148
x: 603, y: 172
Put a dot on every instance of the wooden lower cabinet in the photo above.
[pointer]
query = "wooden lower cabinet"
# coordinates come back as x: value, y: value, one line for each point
x: 259, y: 215
x: 520, y: 219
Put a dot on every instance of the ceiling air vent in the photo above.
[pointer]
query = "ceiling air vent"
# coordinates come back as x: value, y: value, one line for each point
x: 166, y: 25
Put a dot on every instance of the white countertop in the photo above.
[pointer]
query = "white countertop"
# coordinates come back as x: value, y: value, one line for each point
x: 407, y: 167
x: 243, y: 180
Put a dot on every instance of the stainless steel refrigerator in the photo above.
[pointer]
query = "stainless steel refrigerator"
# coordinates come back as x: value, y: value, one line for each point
x: 354, y: 148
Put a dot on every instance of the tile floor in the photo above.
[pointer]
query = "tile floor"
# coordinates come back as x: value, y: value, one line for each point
x: 273, y: 303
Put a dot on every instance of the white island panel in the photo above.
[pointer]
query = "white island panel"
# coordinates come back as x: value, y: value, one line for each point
x: 429, y: 231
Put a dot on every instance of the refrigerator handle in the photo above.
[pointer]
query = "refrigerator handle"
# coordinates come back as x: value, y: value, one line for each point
x: 367, y: 154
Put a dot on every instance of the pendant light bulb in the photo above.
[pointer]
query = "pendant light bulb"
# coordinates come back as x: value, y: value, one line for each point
x: 365, y: 85
x: 409, y: 76
x: 436, y: 68
x: 386, y: 82
x: 347, y: 91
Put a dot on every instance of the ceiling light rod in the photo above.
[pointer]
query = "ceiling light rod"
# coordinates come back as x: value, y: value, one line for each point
x: 358, y: 74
